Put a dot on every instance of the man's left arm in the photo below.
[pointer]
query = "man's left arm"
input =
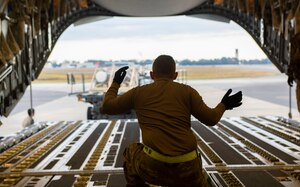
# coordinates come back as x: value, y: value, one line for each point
x: 114, y: 104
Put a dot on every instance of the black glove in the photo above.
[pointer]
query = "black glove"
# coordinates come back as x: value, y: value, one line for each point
x: 232, y: 101
x: 120, y: 75
x: 290, y: 81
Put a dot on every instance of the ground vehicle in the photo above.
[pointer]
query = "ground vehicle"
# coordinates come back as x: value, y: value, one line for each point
x: 101, y: 81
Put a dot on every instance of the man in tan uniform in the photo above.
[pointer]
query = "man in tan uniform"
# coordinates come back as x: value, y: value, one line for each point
x: 168, y: 155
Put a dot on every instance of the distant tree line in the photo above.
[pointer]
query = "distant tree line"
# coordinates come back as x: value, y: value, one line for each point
x: 186, y: 62
x: 221, y: 61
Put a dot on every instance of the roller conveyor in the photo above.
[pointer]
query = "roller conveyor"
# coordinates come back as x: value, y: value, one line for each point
x: 262, y: 144
x: 224, y: 150
x: 236, y: 152
x: 284, y: 132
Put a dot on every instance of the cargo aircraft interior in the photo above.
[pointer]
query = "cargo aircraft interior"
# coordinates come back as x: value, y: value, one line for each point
x: 255, y: 151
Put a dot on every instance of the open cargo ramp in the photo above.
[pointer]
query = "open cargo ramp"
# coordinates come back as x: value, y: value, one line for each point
x: 252, y: 151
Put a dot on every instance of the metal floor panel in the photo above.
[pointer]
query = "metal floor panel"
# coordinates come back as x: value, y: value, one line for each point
x: 238, y: 152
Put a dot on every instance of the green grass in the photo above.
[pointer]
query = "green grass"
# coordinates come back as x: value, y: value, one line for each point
x: 208, y: 72
x: 192, y: 73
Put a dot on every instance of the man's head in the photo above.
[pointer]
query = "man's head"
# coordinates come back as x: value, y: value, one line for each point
x: 30, y: 112
x: 164, y: 67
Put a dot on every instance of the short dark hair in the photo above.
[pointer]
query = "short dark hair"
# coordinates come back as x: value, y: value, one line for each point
x: 30, y: 111
x: 164, y: 65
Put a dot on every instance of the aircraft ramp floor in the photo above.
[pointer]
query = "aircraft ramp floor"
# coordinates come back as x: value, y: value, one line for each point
x: 238, y: 151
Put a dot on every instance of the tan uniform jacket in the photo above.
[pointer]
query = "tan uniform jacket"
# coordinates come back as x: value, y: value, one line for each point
x: 164, y: 110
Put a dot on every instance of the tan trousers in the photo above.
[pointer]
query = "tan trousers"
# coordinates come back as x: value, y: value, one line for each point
x: 141, y: 170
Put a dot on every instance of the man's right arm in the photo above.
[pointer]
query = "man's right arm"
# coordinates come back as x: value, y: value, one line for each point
x: 211, y: 116
x: 208, y: 116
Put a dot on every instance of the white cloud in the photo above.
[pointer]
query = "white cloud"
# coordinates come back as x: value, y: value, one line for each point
x: 175, y: 36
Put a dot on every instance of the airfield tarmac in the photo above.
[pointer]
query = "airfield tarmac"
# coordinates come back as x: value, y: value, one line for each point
x: 262, y: 96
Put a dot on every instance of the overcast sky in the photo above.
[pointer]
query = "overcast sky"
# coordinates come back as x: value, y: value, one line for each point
x: 145, y: 38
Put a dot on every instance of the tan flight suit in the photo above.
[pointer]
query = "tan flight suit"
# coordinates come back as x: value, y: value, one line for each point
x: 164, y: 110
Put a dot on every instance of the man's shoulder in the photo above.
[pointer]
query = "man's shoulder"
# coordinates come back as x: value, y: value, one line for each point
x: 174, y: 83
x: 145, y: 86
x: 182, y: 85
